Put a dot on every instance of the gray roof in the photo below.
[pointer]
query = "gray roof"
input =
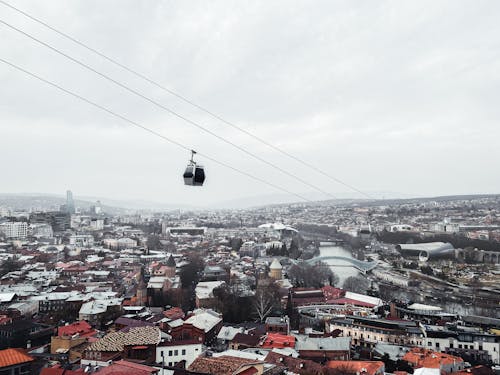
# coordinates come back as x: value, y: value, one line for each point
x: 322, y: 343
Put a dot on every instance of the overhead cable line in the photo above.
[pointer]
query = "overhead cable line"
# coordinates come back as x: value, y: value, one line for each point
x: 187, y: 100
x: 132, y: 122
x: 172, y: 112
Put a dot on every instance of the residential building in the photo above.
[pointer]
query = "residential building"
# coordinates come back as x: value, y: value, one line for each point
x: 15, y: 362
x: 173, y: 352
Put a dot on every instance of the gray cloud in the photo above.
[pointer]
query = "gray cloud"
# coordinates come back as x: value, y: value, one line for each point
x: 394, y: 96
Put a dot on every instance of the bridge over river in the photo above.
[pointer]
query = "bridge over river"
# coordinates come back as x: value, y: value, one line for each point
x: 360, y: 265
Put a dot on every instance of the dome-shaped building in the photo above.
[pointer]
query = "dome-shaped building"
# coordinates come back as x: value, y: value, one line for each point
x: 276, y: 270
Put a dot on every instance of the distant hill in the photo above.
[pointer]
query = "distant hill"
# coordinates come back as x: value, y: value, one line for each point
x: 47, y: 202
x: 27, y: 201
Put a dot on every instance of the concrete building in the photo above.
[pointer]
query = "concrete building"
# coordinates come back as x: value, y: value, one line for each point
x: 83, y: 240
x: 14, y: 230
x: 368, y: 332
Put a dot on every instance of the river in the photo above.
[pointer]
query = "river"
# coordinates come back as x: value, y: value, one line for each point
x: 341, y: 268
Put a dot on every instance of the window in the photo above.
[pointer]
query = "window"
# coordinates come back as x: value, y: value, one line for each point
x: 451, y: 345
x: 176, y: 352
x: 437, y: 345
x: 169, y: 353
x: 429, y: 343
x: 459, y: 346
x: 183, y: 352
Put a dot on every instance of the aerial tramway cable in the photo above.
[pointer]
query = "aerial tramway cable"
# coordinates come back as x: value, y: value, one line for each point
x: 132, y: 122
x: 185, y: 99
x: 172, y: 112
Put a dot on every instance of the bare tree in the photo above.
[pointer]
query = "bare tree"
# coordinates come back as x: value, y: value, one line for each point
x: 265, y: 301
x: 263, y: 305
x: 356, y: 284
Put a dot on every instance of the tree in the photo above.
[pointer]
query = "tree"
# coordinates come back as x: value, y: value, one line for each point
x: 234, y: 308
x: 9, y: 265
x: 265, y: 301
x: 190, y: 275
x: 235, y: 243
x: 294, y: 249
x: 153, y: 242
x: 306, y: 275
x: 356, y: 284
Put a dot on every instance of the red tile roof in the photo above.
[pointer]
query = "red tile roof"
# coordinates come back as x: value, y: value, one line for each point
x: 358, y: 367
x: 419, y: 357
x: 174, y: 313
x: 127, y: 368
x: 276, y: 340
x: 11, y: 357
x: 82, y: 328
x: 331, y: 292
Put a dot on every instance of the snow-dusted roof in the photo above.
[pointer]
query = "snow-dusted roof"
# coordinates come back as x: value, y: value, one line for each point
x: 364, y: 298
x: 204, y: 319
x: 240, y: 354
x: 99, y: 306
x: 321, y: 343
x: 204, y: 289
x: 228, y: 333
x: 6, y: 297
x: 420, y: 306
x: 427, y: 371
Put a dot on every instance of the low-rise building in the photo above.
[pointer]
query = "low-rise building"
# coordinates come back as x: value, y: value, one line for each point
x: 16, y: 362
x: 173, y: 352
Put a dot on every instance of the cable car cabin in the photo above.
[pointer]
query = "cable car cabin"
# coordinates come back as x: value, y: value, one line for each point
x: 194, y: 175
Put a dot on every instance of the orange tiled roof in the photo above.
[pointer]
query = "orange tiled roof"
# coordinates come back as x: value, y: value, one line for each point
x: 277, y: 340
x: 10, y: 357
x: 419, y: 357
x: 81, y: 327
x: 123, y: 367
x: 368, y: 367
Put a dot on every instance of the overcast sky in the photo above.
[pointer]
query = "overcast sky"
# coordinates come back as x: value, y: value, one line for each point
x: 388, y: 96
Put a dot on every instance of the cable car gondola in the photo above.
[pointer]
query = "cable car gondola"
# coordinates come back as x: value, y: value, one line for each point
x: 194, y: 175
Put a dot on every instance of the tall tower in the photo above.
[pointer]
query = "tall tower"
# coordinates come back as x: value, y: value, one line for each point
x: 142, y: 291
x: 70, y: 204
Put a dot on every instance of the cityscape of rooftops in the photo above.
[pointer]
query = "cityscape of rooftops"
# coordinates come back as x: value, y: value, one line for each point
x: 254, y: 188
